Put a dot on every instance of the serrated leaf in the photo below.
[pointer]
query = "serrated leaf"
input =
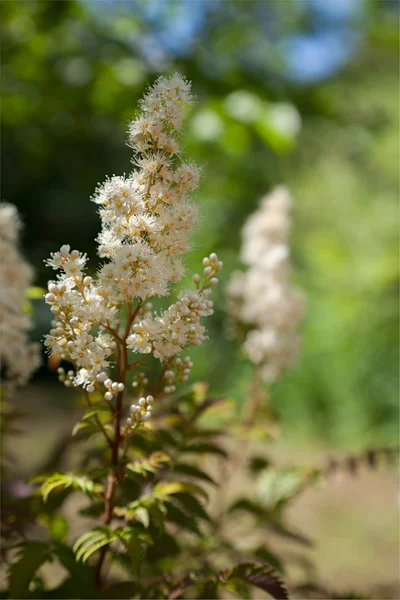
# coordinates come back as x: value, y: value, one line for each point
x: 93, y: 540
x: 192, y: 505
x: 166, y: 546
x: 30, y: 558
x: 177, y: 516
x: 193, y: 471
x: 258, y: 575
x: 80, y: 572
x: 168, y: 488
x: 67, y: 480
x: 157, y: 460
x: 268, y: 557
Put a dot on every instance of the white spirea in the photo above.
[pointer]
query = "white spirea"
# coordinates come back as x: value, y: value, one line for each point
x: 146, y: 220
x: 19, y: 357
x: 262, y: 297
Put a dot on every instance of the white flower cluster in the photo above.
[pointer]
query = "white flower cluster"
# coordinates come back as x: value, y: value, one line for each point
x: 19, y: 358
x: 146, y: 220
x: 140, y: 412
x: 262, y: 297
x: 167, y: 334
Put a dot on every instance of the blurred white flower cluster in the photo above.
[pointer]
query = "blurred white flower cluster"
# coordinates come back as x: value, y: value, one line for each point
x: 19, y: 357
x: 262, y: 297
x: 146, y: 221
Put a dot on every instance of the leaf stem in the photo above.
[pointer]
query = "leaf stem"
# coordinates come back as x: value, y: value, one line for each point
x: 99, y: 423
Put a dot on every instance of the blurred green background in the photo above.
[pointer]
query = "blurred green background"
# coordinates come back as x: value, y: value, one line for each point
x: 297, y: 92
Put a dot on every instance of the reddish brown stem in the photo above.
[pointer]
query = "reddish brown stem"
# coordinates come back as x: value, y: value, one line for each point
x: 113, y: 477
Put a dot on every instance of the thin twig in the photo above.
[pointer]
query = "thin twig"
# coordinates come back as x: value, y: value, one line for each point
x: 99, y: 423
x: 114, y: 333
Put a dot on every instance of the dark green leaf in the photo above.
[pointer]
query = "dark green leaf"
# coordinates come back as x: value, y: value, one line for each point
x: 177, y: 516
x: 192, y: 505
x: 30, y: 558
x: 81, y: 573
x: 249, y: 506
x: 268, y: 557
x: 257, y: 575
x: 204, y: 448
x: 193, y: 471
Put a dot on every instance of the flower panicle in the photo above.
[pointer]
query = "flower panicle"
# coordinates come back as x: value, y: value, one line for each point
x: 146, y: 221
x: 19, y: 357
x: 262, y: 297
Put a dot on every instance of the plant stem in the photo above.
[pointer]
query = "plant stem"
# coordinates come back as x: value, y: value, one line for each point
x: 111, y: 483
x: 112, y: 480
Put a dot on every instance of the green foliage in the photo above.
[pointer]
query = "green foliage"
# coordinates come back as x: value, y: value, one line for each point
x: 68, y: 480
x: 93, y: 540
x: 30, y: 557
x: 157, y: 460
x: 258, y: 576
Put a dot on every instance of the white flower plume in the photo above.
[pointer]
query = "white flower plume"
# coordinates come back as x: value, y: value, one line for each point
x: 19, y: 357
x: 262, y: 297
x: 146, y: 220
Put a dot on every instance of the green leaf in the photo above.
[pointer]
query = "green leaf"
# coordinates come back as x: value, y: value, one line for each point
x: 193, y: 471
x: 93, y: 540
x: 168, y: 488
x: 87, y: 429
x: 204, y: 448
x: 70, y: 480
x: 177, y: 516
x: 94, y: 410
x: 142, y: 515
x: 134, y: 550
x: 156, y: 461
x: 268, y: 557
x: 56, y: 524
x: 258, y: 575
x: 31, y: 556
x: 249, y: 506
x: 192, y: 505
x: 80, y: 572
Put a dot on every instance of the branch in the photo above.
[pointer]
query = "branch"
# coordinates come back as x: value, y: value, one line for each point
x: 99, y: 423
